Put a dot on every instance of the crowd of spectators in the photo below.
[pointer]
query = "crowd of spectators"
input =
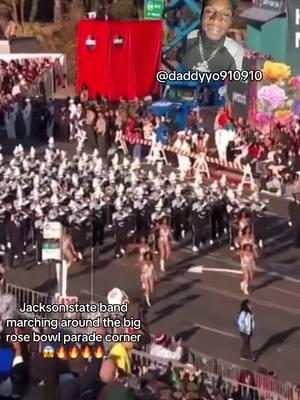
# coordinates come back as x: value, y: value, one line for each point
x: 274, y: 157
x: 23, y: 109
x: 122, y: 374
x: 17, y: 76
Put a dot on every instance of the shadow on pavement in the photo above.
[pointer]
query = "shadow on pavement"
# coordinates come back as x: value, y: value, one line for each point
x: 187, y: 333
x: 178, y: 289
x: 275, y: 340
x: 267, y: 282
x: 168, y: 310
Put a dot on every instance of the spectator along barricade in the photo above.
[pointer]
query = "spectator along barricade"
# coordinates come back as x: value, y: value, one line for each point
x: 246, y: 384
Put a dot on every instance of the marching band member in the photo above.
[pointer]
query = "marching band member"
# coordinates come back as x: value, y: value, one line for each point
x: 178, y: 214
x: 147, y: 276
x: 199, y: 220
x: 248, y: 265
x: 70, y: 256
x: 164, y: 244
x: 142, y: 247
x: 120, y: 219
x: 258, y: 216
x: 245, y: 220
x: 245, y: 236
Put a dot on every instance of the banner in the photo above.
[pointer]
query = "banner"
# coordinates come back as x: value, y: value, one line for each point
x: 240, y: 93
x: 293, y: 37
x: 119, y: 58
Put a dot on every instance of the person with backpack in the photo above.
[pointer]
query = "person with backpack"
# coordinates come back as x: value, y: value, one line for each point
x: 246, y: 325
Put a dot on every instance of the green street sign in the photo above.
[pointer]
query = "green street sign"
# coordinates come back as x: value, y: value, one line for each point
x: 154, y: 9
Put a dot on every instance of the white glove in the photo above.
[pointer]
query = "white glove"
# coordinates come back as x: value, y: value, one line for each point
x: 290, y: 223
x: 8, y: 245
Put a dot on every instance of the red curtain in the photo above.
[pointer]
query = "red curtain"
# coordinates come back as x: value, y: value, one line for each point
x: 113, y: 70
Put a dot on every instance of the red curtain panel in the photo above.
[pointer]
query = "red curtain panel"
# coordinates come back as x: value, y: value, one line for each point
x: 119, y: 58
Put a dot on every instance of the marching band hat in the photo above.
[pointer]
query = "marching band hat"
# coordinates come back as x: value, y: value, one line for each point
x: 53, y: 214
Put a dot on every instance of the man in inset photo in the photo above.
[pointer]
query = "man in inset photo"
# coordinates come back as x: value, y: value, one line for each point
x: 209, y: 49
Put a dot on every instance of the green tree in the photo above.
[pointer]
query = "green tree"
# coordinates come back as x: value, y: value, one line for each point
x: 122, y: 9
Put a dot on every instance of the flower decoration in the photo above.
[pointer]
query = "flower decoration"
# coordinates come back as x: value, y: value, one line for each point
x: 254, y: 55
x: 263, y: 118
x: 272, y: 96
x: 295, y: 82
x: 296, y: 107
x: 276, y: 72
x: 284, y: 116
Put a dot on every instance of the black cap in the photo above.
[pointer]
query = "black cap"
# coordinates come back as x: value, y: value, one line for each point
x: 235, y: 4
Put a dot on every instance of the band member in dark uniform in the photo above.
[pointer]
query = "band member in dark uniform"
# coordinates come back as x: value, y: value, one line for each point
x: 120, y: 219
x: 98, y: 224
x: 65, y: 125
x: 199, y: 221
x: 90, y: 126
x: 178, y: 216
x: 14, y: 238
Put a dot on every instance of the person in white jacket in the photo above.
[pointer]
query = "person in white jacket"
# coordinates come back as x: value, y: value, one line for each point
x: 73, y: 110
x: 27, y: 116
x: 51, y: 118
x: 246, y: 326
x: 10, y: 120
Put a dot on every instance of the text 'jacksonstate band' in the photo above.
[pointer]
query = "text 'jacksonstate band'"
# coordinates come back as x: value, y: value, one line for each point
x: 207, y: 77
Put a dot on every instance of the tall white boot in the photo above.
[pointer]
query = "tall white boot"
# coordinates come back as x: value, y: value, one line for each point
x: 246, y: 289
x: 162, y: 265
x: 242, y: 285
x: 147, y: 300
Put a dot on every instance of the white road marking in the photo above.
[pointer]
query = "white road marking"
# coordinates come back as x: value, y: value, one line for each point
x: 239, y: 297
x: 277, y: 289
x: 214, y: 330
x: 200, y: 269
x: 259, y: 269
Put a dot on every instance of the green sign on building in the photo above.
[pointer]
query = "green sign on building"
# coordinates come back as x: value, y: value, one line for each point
x: 154, y: 9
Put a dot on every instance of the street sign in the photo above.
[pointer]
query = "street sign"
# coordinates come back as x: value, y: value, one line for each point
x: 52, y: 230
x: 51, y: 246
x: 153, y: 9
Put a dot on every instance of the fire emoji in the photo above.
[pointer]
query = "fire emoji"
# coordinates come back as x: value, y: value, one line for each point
x: 99, y: 353
x: 86, y: 352
x: 74, y: 352
x: 61, y: 353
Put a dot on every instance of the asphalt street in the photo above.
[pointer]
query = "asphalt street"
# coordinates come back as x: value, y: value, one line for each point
x: 203, y: 307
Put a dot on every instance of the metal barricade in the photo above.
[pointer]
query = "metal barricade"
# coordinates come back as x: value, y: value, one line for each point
x: 27, y: 296
x: 235, y: 373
